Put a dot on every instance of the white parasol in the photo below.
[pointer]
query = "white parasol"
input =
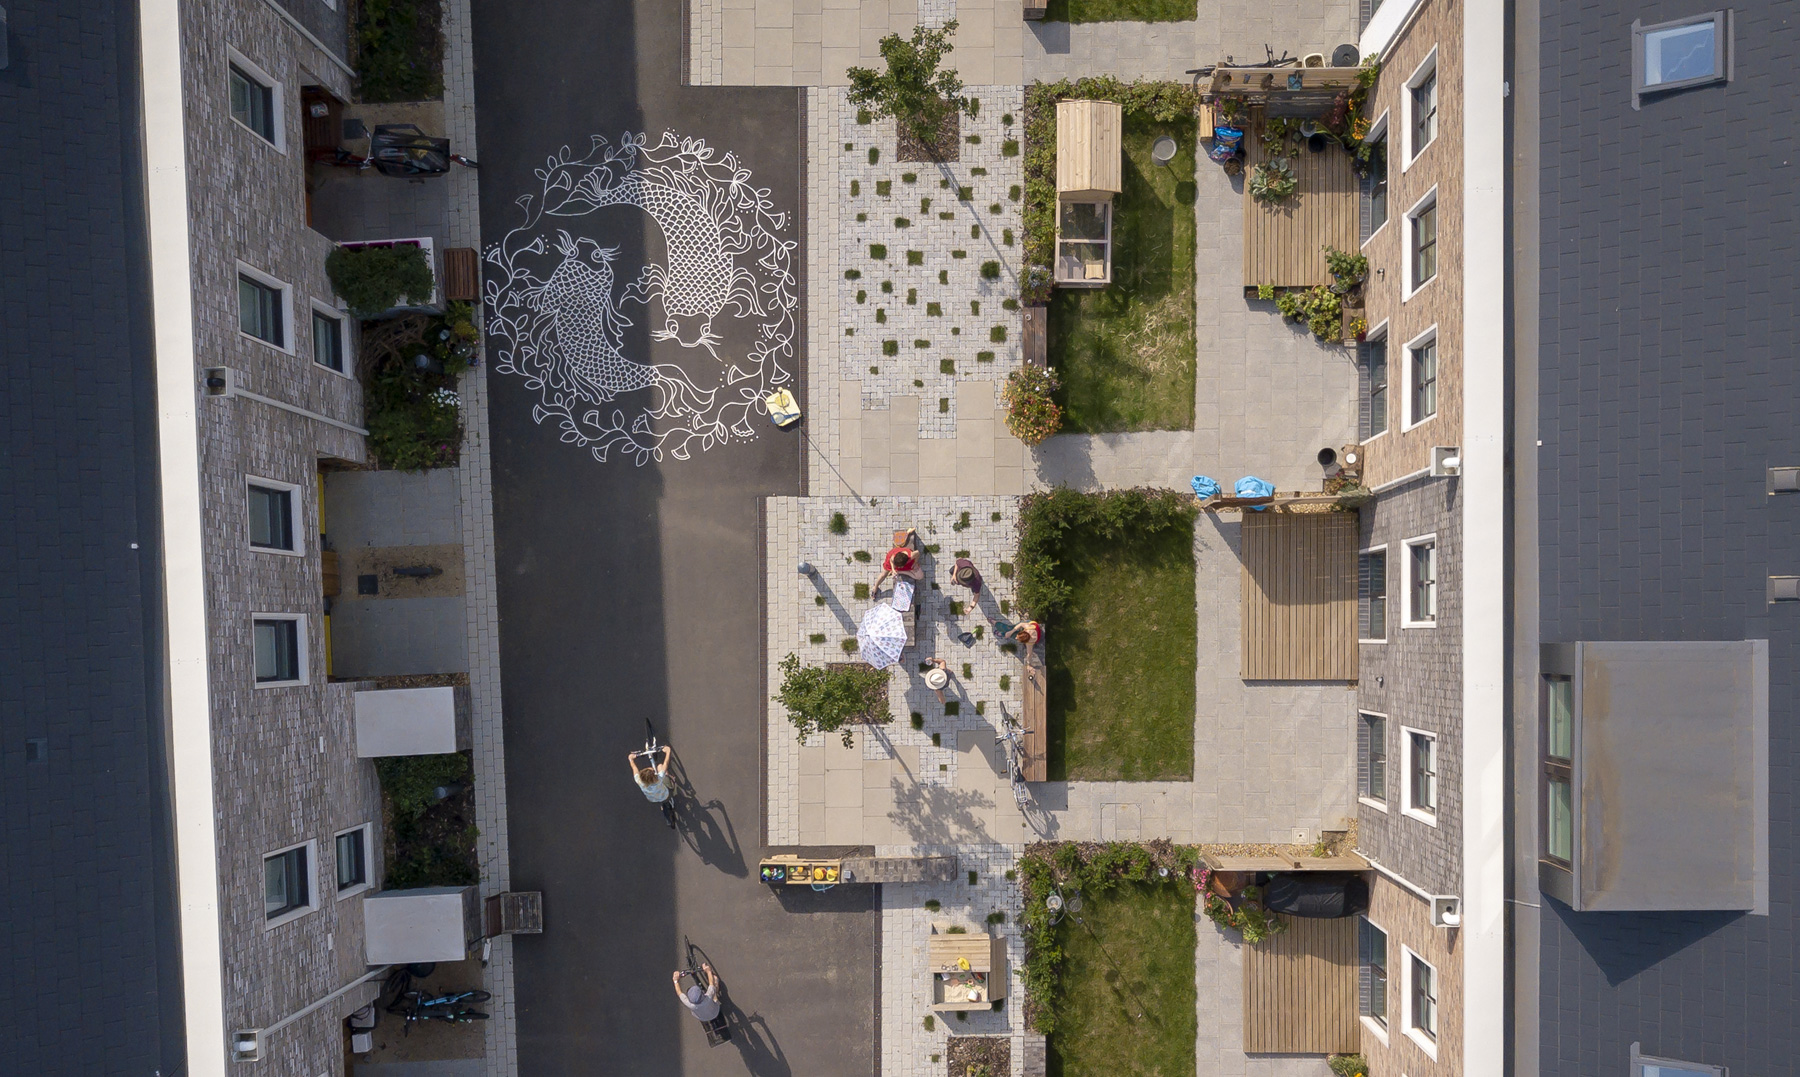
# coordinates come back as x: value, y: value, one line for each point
x: 881, y: 637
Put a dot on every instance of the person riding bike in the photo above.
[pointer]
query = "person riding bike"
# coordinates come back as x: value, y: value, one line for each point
x: 704, y: 1005
x: 651, y: 774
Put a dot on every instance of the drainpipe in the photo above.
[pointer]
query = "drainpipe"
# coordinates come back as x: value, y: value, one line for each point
x: 247, y: 1043
x: 1402, y: 480
x: 1397, y: 877
x: 222, y: 382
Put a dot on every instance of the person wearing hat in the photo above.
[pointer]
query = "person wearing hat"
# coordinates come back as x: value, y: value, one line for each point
x: 702, y: 1004
x: 937, y: 678
x: 900, y: 561
x: 966, y: 574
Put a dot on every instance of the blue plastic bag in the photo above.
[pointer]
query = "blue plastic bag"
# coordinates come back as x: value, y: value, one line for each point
x: 1204, y: 487
x: 1251, y: 486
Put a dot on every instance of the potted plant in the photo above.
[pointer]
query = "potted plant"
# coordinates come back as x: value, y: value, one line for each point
x: 1347, y: 270
x: 1273, y: 181
x: 374, y: 278
x: 1359, y: 329
x: 1031, y: 414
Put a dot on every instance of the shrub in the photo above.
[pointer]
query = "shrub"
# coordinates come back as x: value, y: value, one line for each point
x: 413, y: 415
x: 373, y: 280
x: 914, y: 90
x: 822, y: 699
x: 1348, y: 1065
x: 1115, y: 515
x: 1288, y: 304
x: 1031, y: 413
x: 399, y: 50
x: 1273, y: 181
x: 411, y: 781
x: 990, y: 271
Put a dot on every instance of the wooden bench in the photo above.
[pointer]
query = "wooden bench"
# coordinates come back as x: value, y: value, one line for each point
x: 1036, y: 336
x: 1035, y: 735
x: 462, y: 274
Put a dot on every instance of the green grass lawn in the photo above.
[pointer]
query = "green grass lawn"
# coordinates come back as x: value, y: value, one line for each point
x: 1127, y: 1000
x: 1121, y: 11
x: 1120, y: 659
x: 1125, y: 352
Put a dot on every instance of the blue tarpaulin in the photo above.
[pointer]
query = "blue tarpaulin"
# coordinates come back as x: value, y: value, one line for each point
x: 1204, y: 487
x: 1251, y: 486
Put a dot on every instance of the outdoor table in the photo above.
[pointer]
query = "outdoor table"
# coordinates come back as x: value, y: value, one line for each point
x: 951, y: 983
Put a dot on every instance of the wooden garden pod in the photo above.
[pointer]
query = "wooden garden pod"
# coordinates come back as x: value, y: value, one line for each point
x: 1089, y: 148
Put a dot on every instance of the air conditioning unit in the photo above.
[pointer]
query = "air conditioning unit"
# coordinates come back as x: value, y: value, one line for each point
x: 1784, y: 480
x: 219, y: 380
x: 1446, y: 460
x: 1446, y: 911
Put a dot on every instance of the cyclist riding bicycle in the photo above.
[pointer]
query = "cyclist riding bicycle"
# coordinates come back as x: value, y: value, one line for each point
x: 704, y: 1005
x: 651, y: 774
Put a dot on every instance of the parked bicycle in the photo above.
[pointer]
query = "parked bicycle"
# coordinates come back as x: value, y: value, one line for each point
x: 1015, y: 757
x: 415, y: 1006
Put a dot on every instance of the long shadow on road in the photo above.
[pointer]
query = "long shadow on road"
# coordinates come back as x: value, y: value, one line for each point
x: 628, y: 593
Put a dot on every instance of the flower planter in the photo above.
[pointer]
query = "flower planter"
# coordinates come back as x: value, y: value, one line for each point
x: 424, y: 242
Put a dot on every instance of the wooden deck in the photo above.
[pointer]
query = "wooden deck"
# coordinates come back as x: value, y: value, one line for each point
x: 1036, y: 733
x: 1299, y: 597
x: 1284, y: 244
x: 1300, y: 990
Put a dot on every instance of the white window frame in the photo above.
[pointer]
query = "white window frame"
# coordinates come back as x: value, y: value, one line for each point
x: 312, y: 885
x: 1427, y: 67
x: 368, y: 845
x: 1639, y: 1061
x: 1387, y: 616
x: 1409, y: 420
x: 296, y: 507
x: 1723, y: 58
x: 342, y: 317
x: 1379, y: 129
x: 303, y: 642
x: 1408, y: 618
x: 1429, y: 818
x: 1387, y: 762
x: 1423, y: 1041
x: 1374, y: 1026
x: 1379, y: 332
x: 277, y: 98
x: 1407, y: 291
x: 287, y: 306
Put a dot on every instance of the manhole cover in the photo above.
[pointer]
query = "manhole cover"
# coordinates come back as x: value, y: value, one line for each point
x: 368, y: 584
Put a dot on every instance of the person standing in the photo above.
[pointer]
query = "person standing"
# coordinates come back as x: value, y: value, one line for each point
x: 937, y: 678
x: 966, y: 574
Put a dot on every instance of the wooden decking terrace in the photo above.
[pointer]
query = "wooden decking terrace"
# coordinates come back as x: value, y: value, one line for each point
x: 1284, y: 244
x: 1299, y: 596
x: 1300, y: 990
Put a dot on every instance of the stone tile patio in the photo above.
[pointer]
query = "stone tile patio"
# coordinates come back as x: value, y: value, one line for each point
x: 812, y: 42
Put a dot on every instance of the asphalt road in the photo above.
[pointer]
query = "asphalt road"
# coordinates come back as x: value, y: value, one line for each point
x: 632, y: 592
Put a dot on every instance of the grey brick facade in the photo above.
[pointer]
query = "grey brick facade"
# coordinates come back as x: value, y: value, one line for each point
x: 285, y: 765
x: 1415, y: 680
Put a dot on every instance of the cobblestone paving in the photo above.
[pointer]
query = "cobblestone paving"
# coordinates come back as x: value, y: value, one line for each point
x: 813, y: 42
x: 908, y: 1048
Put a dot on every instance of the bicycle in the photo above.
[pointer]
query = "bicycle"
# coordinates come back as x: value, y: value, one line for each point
x: 1015, y: 757
x: 648, y: 754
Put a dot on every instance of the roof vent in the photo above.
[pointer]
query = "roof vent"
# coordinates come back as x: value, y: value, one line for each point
x: 1784, y: 480
x: 1446, y: 460
x: 1784, y: 588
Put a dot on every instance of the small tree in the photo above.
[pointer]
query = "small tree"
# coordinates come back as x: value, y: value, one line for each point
x: 372, y: 280
x: 824, y: 700
x: 913, y: 91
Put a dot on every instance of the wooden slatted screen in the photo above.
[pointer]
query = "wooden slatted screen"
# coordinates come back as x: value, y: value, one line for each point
x: 1300, y: 990
x: 462, y: 274
x: 1299, y: 596
x: 1036, y: 723
x: 1284, y: 244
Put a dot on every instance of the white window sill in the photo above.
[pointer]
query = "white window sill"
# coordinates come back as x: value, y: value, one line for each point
x: 1427, y: 818
x: 1421, y: 624
x: 1410, y: 427
x: 258, y: 135
x: 345, y: 374
x: 1380, y: 806
x: 279, y: 684
x: 352, y: 891
x: 1376, y: 1029
x: 1373, y: 641
x: 1423, y: 1042
x: 289, y: 917
x: 254, y: 548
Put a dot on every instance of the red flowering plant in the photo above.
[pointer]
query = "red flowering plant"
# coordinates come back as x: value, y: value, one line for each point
x: 1031, y: 414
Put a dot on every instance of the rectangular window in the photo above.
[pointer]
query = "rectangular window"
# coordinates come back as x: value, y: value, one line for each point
x: 261, y: 309
x: 1422, y: 1011
x: 1424, y: 381
x: 353, y: 858
x: 1375, y: 363
x: 285, y: 887
x: 1556, y: 808
x: 271, y: 517
x: 1376, y: 186
x: 1694, y: 51
x: 1371, y: 586
x: 1421, y: 750
x: 277, y: 650
x: 253, y: 102
x: 1372, y: 946
x: 1421, y: 575
x: 1372, y: 743
x: 1643, y: 1065
x: 1424, y: 112
x: 1424, y: 245
x: 328, y: 341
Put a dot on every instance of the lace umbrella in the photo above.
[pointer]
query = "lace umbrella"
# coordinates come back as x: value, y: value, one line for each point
x: 881, y: 636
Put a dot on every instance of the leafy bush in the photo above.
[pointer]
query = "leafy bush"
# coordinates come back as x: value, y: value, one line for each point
x: 1273, y: 181
x: 1252, y: 921
x: 411, y: 781
x: 1348, y: 1065
x: 399, y: 50
x: 373, y: 280
x: 1346, y: 268
x: 920, y: 96
x: 1046, y: 518
x: 1265, y: 291
x: 1320, y: 307
x: 1092, y: 868
x: 825, y: 699
x: 1031, y: 413
x: 414, y: 417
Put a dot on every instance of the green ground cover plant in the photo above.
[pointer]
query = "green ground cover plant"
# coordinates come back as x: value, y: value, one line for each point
x: 1130, y: 953
x: 1112, y: 576
x: 1121, y: 11
x: 429, y: 842
x: 399, y: 50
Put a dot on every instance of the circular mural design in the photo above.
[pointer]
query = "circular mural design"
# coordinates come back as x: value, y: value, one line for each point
x: 556, y: 315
